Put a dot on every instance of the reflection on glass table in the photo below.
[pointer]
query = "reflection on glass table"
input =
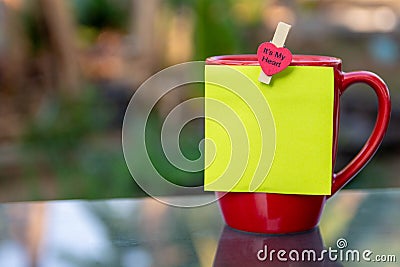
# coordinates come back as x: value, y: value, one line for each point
x: 144, y: 232
x: 302, y: 249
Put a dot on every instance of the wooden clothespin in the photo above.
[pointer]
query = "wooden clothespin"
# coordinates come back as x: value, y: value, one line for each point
x: 272, y: 56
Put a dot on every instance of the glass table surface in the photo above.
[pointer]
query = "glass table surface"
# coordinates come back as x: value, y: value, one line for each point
x: 145, y: 232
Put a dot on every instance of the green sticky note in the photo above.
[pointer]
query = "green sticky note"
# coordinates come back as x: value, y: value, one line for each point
x: 274, y: 138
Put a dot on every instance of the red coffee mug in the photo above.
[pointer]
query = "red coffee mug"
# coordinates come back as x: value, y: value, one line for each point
x: 287, y: 213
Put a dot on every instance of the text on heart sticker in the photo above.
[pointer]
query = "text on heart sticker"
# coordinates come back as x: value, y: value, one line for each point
x: 273, y: 59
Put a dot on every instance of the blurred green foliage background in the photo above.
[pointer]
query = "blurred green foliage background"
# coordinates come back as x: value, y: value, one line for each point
x: 69, y: 68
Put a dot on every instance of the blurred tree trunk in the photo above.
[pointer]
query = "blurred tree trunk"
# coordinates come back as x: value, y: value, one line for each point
x: 149, y: 29
x: 60, y: 27
x: 15, y: 51
x: 147, y: 39
x: 13, y: 69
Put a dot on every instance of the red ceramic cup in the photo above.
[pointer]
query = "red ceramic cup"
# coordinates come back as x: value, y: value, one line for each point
x: 287, y: 213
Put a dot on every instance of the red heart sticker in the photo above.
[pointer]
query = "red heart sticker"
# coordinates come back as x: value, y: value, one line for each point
x: 273, y: 59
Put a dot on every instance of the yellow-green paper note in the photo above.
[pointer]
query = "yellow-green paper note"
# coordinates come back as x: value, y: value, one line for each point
x: 274, y: 138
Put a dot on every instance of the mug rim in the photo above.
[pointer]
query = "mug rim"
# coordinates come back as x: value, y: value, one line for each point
x: 297, y: 60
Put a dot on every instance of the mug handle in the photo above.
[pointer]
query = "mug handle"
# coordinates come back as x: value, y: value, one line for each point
x: 382, y: 92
